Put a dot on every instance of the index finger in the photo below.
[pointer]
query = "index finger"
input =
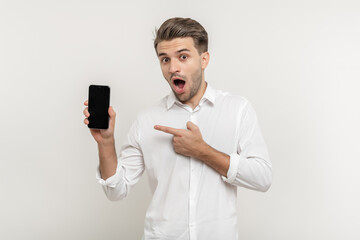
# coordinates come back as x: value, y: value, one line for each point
x: 173, y: 131
x: 86, y: 103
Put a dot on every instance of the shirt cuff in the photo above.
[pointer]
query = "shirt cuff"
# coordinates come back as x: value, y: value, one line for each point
x: 111, y: 181
x: 233, y: 168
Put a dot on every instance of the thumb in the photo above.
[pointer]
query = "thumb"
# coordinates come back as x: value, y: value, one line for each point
x: 191, y: 126
x: 112, y: 115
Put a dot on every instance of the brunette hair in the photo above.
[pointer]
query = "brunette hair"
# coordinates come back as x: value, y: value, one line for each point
x: 181, y: 28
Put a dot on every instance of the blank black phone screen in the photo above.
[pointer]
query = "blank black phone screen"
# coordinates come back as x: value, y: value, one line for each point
x: 98, y: 105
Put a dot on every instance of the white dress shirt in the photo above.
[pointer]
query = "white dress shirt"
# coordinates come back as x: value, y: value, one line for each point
x: 190, y: 200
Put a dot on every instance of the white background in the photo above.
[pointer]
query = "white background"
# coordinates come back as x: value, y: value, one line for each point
x: 296, y: 61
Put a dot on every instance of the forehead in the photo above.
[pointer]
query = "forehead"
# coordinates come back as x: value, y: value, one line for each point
x: 176, y: 44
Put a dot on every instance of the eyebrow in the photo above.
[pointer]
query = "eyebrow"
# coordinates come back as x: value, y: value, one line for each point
x: 179, y: 51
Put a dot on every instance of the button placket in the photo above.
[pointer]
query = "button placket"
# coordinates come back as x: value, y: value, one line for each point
x: 193, y: 186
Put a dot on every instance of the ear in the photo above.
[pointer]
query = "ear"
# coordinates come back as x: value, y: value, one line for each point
x: 205, y: 57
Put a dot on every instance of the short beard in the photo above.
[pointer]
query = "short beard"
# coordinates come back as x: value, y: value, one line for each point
x: 197, y: 80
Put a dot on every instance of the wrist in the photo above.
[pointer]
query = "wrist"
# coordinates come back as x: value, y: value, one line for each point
x: 106, y: 142
x: 202, y: 151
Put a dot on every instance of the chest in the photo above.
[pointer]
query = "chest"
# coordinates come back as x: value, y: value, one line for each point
x: 218, y: 127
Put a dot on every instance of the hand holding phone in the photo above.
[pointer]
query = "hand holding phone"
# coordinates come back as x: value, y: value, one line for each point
x: 103, y: 136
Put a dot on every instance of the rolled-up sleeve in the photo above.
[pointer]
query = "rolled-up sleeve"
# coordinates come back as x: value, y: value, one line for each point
x: 129, y: 169
x: 250, y: 164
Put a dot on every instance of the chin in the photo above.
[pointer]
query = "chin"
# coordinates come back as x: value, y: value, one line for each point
x: 181, y: 97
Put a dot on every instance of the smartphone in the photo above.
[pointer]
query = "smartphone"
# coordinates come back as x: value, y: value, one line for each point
x: 98, y: 105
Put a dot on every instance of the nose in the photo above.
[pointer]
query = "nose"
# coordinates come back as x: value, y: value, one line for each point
x: 174, y: 66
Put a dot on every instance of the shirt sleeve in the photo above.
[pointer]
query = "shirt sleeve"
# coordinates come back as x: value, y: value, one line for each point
x: 129, y: 169
x: 250, y: 165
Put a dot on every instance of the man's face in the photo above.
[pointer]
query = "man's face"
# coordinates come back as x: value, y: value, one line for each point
x: 182, y: 66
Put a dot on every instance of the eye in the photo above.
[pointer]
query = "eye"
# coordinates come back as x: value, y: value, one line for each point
x: 165, y: 60
x: 183, y: 57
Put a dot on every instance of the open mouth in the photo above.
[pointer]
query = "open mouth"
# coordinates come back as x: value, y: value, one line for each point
x: 179, y: 83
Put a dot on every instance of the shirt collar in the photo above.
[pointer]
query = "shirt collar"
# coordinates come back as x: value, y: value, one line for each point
x: 210, y: 95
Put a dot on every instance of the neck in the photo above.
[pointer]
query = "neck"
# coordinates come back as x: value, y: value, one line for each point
x: 194, y: 101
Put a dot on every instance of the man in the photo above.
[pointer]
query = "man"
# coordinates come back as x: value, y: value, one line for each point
x: 197, y: 146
